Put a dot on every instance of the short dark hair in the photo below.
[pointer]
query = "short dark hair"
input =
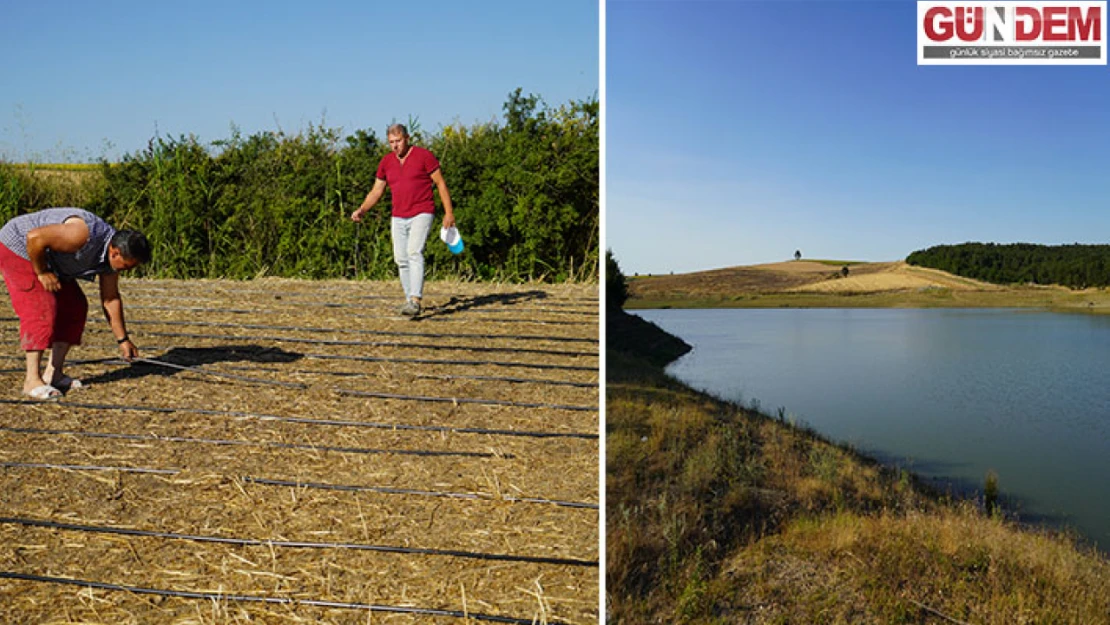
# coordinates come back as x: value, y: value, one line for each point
x: 132, y: 245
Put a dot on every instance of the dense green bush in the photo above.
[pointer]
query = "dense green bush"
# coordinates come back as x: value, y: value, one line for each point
x: 525, y: 193
x: 616, y: 287
x: 1075, y: 266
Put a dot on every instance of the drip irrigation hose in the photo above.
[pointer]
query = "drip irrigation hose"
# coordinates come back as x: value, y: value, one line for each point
x: 464, y: 400
x: 86, y: 467
x: 424, y: 376
x: 375, y: 395
x: 151, y: 361
x: 287, y: 339
x: 383, y: 490
x: 306, y: 420
x: 212, y: 596
x: 262, y: 326
x: 389, y: 490
x: 255, y: 311
x: 254, y: 542
x: 426, y: 361
x: 432, y: 361
x: 475, y: 307
x: 345, y: 292
x: 271, y: 444
x: 354, y: 374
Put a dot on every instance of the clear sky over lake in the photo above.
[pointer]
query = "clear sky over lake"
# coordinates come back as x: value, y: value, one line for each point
x: 740, y: 131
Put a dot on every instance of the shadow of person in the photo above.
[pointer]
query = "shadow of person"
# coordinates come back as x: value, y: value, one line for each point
x: 195, y: 357
x: 459, y: 304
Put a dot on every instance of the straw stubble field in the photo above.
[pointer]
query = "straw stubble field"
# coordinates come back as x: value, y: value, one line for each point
x: 297, y: 452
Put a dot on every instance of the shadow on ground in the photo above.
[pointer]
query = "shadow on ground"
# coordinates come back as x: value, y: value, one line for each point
x: 459, y: 304
x: 195, y: 357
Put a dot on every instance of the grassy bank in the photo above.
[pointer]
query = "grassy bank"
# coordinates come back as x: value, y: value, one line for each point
x: 717, y: 514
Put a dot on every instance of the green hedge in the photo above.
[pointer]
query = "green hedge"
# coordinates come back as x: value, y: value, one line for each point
x: 525, y: 192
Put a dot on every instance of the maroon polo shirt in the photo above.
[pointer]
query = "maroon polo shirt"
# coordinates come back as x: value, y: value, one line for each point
x: 410, y: 183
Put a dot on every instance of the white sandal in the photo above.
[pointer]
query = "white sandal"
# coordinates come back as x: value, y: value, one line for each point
x: 43, y: 393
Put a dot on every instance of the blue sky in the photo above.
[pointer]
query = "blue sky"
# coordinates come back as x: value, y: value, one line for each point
x: 740, y: 131
x: 84, y: 80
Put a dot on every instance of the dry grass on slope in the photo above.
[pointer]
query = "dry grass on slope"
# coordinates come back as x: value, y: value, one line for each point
x: 952, y: 565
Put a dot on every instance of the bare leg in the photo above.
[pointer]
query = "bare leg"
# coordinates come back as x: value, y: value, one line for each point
x: 55, y: 369
x: 34, y: 375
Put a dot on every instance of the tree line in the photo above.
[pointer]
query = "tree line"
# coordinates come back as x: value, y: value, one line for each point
x: 1076, y: 266
x: 525, y: 190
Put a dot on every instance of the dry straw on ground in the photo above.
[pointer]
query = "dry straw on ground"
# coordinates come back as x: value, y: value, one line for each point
x: 472, y: 430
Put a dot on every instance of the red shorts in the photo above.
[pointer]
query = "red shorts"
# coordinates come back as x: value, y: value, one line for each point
x: 44, y: 317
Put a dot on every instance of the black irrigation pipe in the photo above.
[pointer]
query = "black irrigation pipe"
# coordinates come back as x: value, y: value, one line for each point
x: 86, y: 467
x: 514, y: 309
x: 261, y: 326
x: 376, y: 395
x: 432, y: 361
x: 583, y: 307
x: 355, y: 374
x: 287, y: 339
x: 241, y: 378
x: 464, y: 400
x: 256, y: 311
x: 319, y: 603
x: 349, y: 292
x: 422, y: 361
x: 305, y: 420
x: 242, y: 443
x: 388, y: 490
x: 372, y: 394
x: 254, y: 542
x: 360, y: 488
x: 427, y: 376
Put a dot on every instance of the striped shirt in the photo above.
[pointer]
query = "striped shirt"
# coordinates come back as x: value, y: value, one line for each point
x: 91, y: 260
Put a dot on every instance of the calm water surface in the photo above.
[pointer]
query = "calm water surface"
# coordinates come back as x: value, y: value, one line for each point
x: 948, y: 393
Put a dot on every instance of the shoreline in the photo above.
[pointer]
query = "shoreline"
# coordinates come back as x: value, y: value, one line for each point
x: 1048, y: 300
x: 940, y: 488
x: 715, y: 508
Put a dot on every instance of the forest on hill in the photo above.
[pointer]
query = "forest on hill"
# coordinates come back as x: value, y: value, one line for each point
x: 1076, y: 266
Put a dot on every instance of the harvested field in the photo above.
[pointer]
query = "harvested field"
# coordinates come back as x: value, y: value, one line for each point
x: 899, y: 276
x: 293, y: 451
x: 801, y: 276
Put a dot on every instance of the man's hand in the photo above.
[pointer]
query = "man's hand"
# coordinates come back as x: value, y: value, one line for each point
x: 50, y: 281
x: 357, y: 215
x: 128, y: 351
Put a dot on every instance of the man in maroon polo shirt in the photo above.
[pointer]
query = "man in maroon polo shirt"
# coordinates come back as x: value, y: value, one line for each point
x: 409, y: 171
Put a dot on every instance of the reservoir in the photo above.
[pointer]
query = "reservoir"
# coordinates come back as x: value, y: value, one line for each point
x: 948, y: 393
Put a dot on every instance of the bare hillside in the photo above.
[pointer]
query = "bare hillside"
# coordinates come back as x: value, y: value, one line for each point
x: 800, y: 276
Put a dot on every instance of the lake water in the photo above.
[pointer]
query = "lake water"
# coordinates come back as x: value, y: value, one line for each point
x: 949, y: 393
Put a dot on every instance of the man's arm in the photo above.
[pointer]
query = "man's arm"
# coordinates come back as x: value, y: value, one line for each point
x: 445, y: 197
x: 66, y: 237
x: 112, y: 304
x: 371, y: 199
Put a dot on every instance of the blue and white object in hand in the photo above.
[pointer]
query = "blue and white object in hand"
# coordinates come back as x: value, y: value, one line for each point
x: 452, y: 238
